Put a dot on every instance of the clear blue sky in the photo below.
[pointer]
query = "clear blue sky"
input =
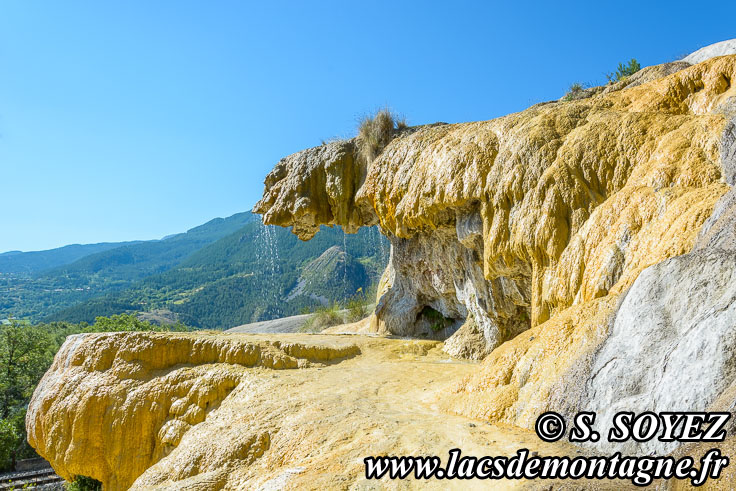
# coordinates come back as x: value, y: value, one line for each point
x: 137, y: 119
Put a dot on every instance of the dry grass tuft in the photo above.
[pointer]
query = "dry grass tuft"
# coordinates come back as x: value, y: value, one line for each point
x: 375, y: 131
x: 322, y: 318
x: 576, y: 91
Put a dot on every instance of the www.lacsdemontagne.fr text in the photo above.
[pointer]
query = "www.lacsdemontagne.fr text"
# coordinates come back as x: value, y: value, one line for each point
x: 641, y: 471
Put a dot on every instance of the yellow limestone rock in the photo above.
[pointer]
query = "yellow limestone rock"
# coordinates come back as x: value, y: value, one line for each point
x: 515, y: 219
x: 298, y: 428
x: 112, y: 405
x: 528, y: 230
x: 542, y: 369
x: 537, y: 222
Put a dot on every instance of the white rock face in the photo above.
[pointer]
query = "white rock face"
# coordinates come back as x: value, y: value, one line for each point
x: 719, y: 230
x: 442, y: 270
x: 672, y: 346
x: 711, y: 51
x: 728, y: 145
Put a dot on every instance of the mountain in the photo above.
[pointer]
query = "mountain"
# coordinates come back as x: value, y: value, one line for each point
x: 251, y: 275
x: 329, y: 276
x: 133, y: 262
x: 34, y: 262
x: 30, y: 290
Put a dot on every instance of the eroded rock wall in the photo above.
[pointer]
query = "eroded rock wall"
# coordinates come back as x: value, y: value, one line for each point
x: 672, y: 345
x: 546, y: 235
x: 583, y: 249
x: 516, y: 219
x: 112, y: 405
x: 436, y: 270
x: 664, y: 344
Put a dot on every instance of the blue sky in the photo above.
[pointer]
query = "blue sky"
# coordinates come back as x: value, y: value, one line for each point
x: 138, y: 119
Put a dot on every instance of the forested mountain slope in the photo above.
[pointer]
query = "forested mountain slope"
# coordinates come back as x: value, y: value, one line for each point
x: 29, y: 293
x: 251, y: 275
x: 37, y: 261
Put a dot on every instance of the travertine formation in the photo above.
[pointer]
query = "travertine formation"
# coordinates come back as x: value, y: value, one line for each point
x: 530, y: 230
x: 112, y: 405
x: 676, y: 327
x: 722, y: 48
x: 584, y: 250
x: 513, y: 220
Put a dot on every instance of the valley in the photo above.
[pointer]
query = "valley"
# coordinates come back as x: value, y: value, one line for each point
x: 225, y: 273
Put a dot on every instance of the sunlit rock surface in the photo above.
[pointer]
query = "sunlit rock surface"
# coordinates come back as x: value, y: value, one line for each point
x: 112, y: 405
x: 226, y: 418
x: 531, y: 228
x: 516, y: 219
x: 722, y: 48
x: 672, y: 344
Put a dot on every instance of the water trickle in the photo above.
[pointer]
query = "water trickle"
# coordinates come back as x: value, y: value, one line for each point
x: 382, y: 245
x: 378, y: 244
x: 345, y: 263
x: 267, y: 255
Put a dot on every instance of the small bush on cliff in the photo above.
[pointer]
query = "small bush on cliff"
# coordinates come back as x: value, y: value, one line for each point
x: 624, y: 70
x: 375, y: 131
x: 576, y: 91
x: 358, y: 307
x: 84, y: 483
x: 322, y: 318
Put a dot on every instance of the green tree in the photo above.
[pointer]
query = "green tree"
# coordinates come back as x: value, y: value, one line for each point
x: 624, y: 70
x: 118, y: 323
x: 9, y: 439
x: 122, y: 323
x: 25, y: 354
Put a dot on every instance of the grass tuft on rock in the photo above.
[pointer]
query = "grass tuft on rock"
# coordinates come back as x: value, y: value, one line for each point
x: 576, y: 91
x: 375, y: 131
x: 322, y: 318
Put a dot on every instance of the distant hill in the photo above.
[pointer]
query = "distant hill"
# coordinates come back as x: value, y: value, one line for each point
x: 329, y: 276
x: 36, y: 285
x: 133, y: 262
x: 221, y: 274
x: 251, y: 275
x: 37, y: 261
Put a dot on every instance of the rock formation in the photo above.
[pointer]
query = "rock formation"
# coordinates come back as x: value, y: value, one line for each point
x: 548, y: 233
x: 112, y: 405
x: 513, y: 220
x: 723, y: 48
x: 583, y: 249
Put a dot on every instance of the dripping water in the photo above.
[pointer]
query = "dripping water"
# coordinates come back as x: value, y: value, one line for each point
x: 267, y: 255
x: 345, y: 263
x: 381, y: 244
